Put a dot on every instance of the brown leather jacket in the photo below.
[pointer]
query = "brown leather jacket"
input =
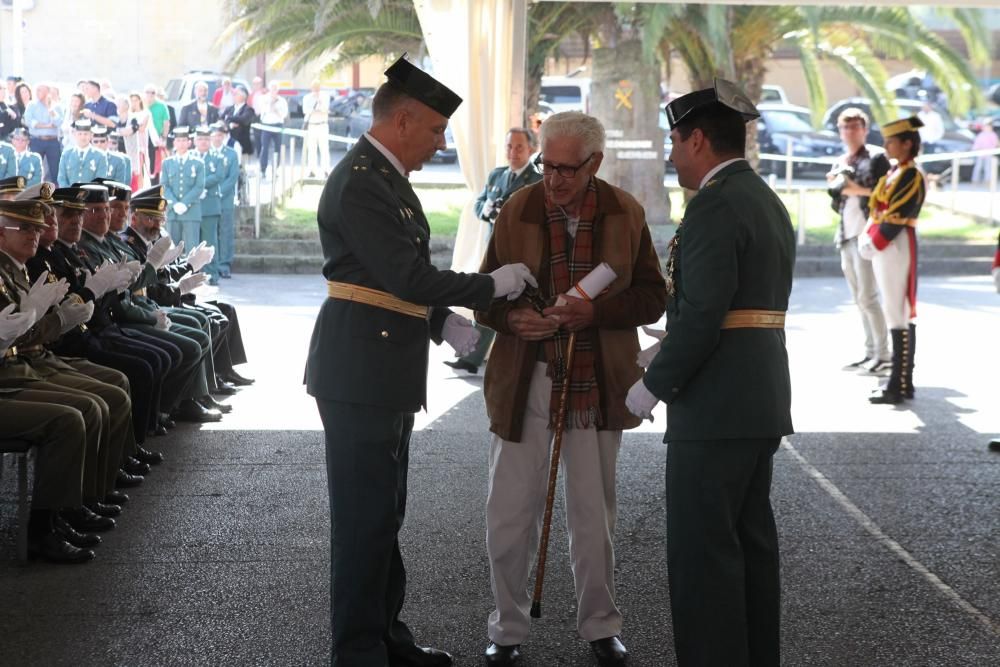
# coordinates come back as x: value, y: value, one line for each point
x: 637, y: 296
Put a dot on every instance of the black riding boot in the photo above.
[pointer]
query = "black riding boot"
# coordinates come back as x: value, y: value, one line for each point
x: 908, y: 363
x: 892, y: 392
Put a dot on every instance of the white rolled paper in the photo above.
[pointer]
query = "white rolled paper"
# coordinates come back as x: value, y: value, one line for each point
x: 592, y: 284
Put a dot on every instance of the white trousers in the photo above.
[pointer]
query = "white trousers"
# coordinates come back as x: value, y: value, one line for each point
x: 514, y: 507
x: 861, y: 281
x: 317, y: 148
x: 892, y: 273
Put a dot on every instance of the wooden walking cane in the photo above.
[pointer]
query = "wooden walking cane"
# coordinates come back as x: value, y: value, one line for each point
x: 543, y: 547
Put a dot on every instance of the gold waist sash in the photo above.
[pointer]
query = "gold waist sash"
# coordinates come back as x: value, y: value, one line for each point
x: 374, y: 297
x: 754, y: 319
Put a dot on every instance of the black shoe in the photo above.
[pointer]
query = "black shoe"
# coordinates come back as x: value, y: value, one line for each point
x: 463, y: 365
x: 857, y: 364
x: 191, y: 411
x: 885, y: 397
x: 167, y: 422
x: 420, y: 656
x: 85, y: 521
x: 104, y: 509
x: 73, y: 536
x: 148, y: 457
x: 610, y: 652
x: 53, y: 548
x: 502, y: 656
x: 210, y: 403
x: 232, y: 377
x: 223, y: 388
x: 159, y: 430
x: 994, y: 446
x: 116, y: 497
x: 134, y: 466
x: 125, y: 480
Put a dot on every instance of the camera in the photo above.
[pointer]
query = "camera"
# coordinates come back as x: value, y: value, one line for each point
x: 134, y: 123
x: 840, y: 177
x: 495, y: 211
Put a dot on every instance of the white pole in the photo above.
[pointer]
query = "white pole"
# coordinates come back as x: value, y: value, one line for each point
x: 256, y: 210
x: 994, y: 160
x: 954, y: 183
x: 802, y: 217
x: 788, y: 167
x: 17, y: 38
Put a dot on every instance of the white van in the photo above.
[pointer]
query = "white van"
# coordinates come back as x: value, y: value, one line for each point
x: 565, y: 93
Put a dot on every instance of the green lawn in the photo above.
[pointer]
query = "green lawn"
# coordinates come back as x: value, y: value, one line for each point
x: 443, y: 207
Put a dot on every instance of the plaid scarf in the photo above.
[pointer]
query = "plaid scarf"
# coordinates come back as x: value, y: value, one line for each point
x: 566, y: 270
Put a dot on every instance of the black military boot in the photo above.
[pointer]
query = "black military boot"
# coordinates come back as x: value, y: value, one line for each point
x: 907, y: 388
x: 891, y: 393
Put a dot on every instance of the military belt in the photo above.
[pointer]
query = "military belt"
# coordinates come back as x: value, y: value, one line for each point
x: 31, y: 349
x: 374, y: 297
x: 754, y: 319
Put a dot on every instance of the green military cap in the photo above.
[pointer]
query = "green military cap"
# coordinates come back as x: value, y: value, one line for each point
x: 150, y: 201
x: 94, y: 192
x: 99, y: 131
x: 39, y: 192
x: 12, y: 184
x: 20, y: 133
x: 725, y: 93
x: 911, y: 124
x: 32, y: 212
x: 418, y: 84
x: 72, y: 197
x: 116, y: 191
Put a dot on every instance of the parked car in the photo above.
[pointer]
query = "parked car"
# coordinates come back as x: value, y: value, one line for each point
x: 180, y: 91
x: 358, y: 123
x: 772, y: 94
x: 955, y: 139
x: 782, y: 124
x: 565, y: 93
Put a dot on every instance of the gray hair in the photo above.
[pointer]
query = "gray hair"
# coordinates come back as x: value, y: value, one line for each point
x: 574, y: 124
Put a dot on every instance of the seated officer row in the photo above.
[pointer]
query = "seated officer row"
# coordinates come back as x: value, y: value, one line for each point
x: 101, y: 345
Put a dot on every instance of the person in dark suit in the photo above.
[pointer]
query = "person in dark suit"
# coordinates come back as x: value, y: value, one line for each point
x: 722, y: 369
x: 367, y: 364
x: 500, y: 185
x: 238, y: 119
x: 199, y: 111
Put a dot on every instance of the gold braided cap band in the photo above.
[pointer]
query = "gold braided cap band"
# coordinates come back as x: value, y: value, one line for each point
x: 374, y: 297
x: 754, y: 319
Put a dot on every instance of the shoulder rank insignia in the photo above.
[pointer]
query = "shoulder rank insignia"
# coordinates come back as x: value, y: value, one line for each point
x: 711, y: 182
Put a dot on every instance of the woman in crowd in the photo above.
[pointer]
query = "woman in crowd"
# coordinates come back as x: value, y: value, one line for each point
x: 22, y: 98
x: 76, y: 103
x: 139, y: 133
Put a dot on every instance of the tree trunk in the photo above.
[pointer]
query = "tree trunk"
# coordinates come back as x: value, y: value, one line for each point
x: 625, y: 96
x: 750, y: 73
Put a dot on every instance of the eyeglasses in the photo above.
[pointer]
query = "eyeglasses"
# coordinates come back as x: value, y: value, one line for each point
x: 566, y: 171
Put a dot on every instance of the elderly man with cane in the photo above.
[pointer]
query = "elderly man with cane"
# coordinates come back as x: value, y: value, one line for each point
x: 562, y: 229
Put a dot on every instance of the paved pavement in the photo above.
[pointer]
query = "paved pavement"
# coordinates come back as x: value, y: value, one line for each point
x: 888, y: 517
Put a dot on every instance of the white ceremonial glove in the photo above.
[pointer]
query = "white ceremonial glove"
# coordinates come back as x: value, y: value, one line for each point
x: 487, y: 208
x: 180, y: 208
x: 158, y: 251
x: 460, y: 334
x: 202, y: 195
x: 42, y: 295
x: 996, y: 278
x: 72, y: 313
x: 640, y: 401
x: 123, y: 277
x: 866, y: 247
x: 174, y: 252
x: 162, y: 321
x: 13, y: 325
x: 509, y: 280
x: 645, y: 357
x: 134, y: 267
x: 191, y: 281
x: 103, y: 280
x: 201, y: 255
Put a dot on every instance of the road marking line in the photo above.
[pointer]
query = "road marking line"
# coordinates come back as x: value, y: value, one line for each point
x: 892, y: 545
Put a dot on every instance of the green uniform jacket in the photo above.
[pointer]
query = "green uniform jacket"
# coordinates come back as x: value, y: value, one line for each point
x: 29, y: 165
x: 735, y: 249
x: 499, y: 190
x: 212, y: 203
x: 47, y: 328
x: 183, y: 183
x: 374, y: 233
x: 81, y: 166
x: 6, y: 160
x: 119, y: 167
x: 124, y: 309
x: 230, y: 160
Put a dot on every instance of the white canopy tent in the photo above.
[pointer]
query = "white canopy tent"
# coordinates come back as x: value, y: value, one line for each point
x: 478, y: 48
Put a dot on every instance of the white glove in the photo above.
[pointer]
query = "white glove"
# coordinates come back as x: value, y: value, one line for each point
x: 645, y: 357
x: 103, y: 280
x: 158, y: 251
x: 123, y: 277
x: 180, y: 208
x: 201, y: 255
x: 866, y: 247
x: 996, y: 278
x: 460, y: 334
x: 173, y: 253
x: 487, y: 208
x: 72, y: 313
x: 509, y: 280
x: 203, y: 193
x: 13, y: 325
x: 640, y: 401
x: 188, y: 283
x: 42, y: 295
x: 134, y: 267
x: 162, y: 321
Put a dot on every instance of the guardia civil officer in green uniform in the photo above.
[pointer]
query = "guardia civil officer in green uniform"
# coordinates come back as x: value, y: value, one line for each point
x: 211, y: 198
x: 83, y: 162
x: 367, y: 365
x: 26, y: 163
x: 183, y: 179
x: 6, y: 160
x: 723, y: 372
